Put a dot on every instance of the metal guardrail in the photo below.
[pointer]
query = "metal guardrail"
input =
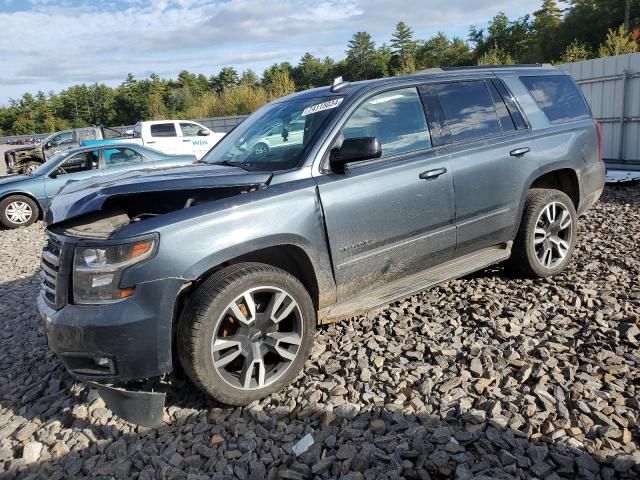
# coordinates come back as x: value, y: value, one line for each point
x: 217, y: 124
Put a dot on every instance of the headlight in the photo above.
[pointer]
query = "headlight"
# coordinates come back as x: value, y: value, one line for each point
x: 97, y: 270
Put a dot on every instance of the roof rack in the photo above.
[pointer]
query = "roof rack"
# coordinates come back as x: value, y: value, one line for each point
x: 479, y: 67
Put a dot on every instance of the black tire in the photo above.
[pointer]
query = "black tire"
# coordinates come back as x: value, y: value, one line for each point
x: 261, y: 149
x: 529, y: 251
x: 13, y: 203
x: 203, y: 318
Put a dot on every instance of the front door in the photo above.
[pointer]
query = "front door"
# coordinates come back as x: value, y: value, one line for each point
x: 392, y: 216
x: 77, y: 167
x: 193, y: 142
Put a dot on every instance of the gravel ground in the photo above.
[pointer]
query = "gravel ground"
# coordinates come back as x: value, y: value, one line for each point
x: 488, y: 376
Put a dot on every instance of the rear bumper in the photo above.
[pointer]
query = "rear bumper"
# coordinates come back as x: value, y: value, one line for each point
x: 592, y: 180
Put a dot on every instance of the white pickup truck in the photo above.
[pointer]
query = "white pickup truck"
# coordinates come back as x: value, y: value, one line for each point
x: 170, y: 136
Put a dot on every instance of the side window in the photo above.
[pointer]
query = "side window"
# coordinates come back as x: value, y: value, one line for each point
x: 468, y: 110
x: 396, y: 118
x: 163, y: 130
x: 121, y: 156
x: 512, y: 106
x: 558, y: 97
x: 79, y: 162
x: 62, y: 139
x: 190, y: 129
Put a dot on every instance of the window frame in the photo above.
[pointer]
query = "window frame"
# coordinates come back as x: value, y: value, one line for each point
x: 324, y: 167
x: 173, y: 124
x: 180, y: 124
x: 438, y: 121
x: 103, y: 160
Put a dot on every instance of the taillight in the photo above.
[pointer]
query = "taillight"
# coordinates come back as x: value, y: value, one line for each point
x: 599, y: 133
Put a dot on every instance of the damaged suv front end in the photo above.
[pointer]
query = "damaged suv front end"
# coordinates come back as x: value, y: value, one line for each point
x: 106, y: 300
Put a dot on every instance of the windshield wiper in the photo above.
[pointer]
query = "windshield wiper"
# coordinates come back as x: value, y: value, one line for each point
x: 229, y: 163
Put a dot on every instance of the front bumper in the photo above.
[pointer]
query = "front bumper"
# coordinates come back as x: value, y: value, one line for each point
x: 134, y: 335
x: 108, y: 345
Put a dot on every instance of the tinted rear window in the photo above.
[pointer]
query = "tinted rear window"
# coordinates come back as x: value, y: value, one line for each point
x: 468, y: 110
x: 558, y: 97
x: 163, y: 130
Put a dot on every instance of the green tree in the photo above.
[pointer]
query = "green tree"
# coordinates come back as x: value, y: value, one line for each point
x: 546, y: 27
x: 618, y: 42
x: 495, y: 56
x: 403, y: 47
x: 249, y: 78
x: 575, y: 52
x: 280, y: 84
x: 226, y: 78
x: 361, y: 57
x: 312, y: 71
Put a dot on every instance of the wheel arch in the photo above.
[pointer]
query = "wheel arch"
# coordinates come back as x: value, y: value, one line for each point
x: 4, y: 196
x: 564, y: 179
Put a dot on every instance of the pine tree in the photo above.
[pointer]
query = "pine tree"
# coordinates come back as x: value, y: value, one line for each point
x: 546, y: 26
x: 361, y: 55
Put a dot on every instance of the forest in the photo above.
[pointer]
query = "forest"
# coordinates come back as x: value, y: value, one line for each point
x: 584, y: 29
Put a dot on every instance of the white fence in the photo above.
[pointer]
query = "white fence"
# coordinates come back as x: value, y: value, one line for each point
x: 612, y: 88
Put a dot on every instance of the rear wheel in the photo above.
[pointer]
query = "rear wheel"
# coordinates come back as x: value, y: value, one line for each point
x: 18, y: 211
x: 246, y: 332
x: 547, y: 235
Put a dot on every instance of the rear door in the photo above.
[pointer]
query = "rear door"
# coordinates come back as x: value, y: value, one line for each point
x: 389, y: 217
x: 164, y: 137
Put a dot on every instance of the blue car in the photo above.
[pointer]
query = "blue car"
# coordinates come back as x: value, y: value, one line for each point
x: 23, y: 198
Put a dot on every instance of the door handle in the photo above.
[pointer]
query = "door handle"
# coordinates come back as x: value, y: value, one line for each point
x: 518, y: 152
x: 152, y: 141
x: 186, y: 140
x: 431, y: 174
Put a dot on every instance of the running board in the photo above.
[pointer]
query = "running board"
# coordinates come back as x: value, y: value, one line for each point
x: 417, y: 282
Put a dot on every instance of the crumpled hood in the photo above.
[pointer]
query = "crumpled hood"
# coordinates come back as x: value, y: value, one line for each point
x: 79, y: 198
x: 20, y: 148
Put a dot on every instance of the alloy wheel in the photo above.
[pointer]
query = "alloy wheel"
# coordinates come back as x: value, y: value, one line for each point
x: 257, y: 338
x: 552, y: 235
x: 18, y: 212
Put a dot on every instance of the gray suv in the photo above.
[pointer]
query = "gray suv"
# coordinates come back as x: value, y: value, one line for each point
x: 226, y: 267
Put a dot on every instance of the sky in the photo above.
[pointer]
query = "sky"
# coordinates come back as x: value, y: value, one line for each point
x: 53, y: 44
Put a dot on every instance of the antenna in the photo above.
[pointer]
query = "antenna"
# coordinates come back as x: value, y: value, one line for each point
x: 338, y: 84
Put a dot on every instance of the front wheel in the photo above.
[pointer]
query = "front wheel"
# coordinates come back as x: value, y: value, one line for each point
x: 547, y: 236
x: 246, y: 332
x: 18, y: 211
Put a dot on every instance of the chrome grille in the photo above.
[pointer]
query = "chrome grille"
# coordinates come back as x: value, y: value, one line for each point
x: 50, y: 268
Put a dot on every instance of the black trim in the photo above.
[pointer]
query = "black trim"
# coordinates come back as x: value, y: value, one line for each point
x: 510, y: 101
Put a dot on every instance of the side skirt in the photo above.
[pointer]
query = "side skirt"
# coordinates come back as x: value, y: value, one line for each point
x: 404, y: 287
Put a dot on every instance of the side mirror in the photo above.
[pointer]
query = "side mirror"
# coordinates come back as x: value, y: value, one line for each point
x: 203, y: 133
x: 47, y: 145
x: 129, y: 132
x: 354, y: 149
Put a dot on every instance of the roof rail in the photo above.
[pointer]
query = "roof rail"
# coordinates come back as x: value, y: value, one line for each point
x: 478, y: 67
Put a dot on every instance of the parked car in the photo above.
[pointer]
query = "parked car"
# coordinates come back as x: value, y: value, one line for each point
x: 27, y: 158
x: 23, y: 198
x: 397, y: 185
x: 172, y: 136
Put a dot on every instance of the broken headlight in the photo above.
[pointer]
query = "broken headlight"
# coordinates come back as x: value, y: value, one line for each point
x: 97, y: 270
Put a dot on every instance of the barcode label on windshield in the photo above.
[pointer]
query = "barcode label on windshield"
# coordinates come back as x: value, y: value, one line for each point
x: 321, y: 106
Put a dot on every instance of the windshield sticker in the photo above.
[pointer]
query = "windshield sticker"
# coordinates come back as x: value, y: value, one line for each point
x: 321, y: 107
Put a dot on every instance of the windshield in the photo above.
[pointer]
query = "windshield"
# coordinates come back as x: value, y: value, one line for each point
x: 275, y: 137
